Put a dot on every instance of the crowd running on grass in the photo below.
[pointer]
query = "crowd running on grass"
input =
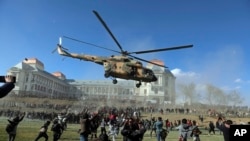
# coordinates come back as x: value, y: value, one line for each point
x: 111, y: 123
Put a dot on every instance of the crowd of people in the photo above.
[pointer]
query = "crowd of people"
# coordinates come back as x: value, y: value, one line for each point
x: 126, y: 121
x: 113, y: 121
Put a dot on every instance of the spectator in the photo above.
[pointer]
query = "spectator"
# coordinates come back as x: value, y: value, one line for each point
x: 12, y: 126
x: 195, y: 131
x: 103, y: 125
x: 158, y: 126
x: 57, y: 130
x: 85, y: 127
x: 142, y: 130
x: 93, y: 128
x: 224, y: 127
x: 129, y: 131
x: 43, y: 131
x: 211, y: 127
x: 184, y: 129
x: 153, y: 129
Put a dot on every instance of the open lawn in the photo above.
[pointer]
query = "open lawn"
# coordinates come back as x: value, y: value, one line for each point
x: 28, y: 129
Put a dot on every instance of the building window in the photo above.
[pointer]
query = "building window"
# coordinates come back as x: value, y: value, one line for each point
x: 157, y: 82
x: 160, y: 80
x: 99, y: 90
x: 95, y: 90
x: 156, y: 91
x: 145, y: 91
x: 27, y: 78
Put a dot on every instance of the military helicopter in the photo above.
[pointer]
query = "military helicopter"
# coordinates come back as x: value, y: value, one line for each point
x: 124, y: 66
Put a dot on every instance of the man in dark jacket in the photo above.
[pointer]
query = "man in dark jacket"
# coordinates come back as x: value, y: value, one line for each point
x: 84, y: 127
x: 57, y: 130
x: 130, y: 131
x: 225, y: 128
x: 12, y: 126
x: 211, y: 127
x: 43, y: 131
x: 7, y: 86
x: 195, y: 131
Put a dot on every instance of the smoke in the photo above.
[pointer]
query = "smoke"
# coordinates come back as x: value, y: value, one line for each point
x: 223, y: 68
x: 220, y: 67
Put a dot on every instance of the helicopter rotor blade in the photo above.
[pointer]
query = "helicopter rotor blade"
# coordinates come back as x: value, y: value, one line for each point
x: 147, y: 61
x: 80, y: 41
x: 54, y: 50
x: 161, y: 49
x: 109, y: 31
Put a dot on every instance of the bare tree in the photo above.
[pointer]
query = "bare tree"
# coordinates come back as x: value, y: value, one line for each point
x: 234, y: 98
x: 189, y: 91
x: 215, y: 96
x: 210, y: 94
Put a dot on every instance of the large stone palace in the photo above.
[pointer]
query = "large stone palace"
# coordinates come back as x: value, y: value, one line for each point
x: 32, y: 80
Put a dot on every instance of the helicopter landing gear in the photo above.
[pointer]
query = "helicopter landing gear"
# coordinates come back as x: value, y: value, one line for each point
x: 114, y: 81
x: 106, y: 74
x: 138, y: 84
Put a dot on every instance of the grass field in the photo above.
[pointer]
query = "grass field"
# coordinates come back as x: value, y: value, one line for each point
x: 28, y: 130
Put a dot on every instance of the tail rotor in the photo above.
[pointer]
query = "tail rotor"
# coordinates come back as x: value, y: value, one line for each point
x: 59, y: 45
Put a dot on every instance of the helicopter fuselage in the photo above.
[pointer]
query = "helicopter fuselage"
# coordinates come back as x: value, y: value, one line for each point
x: 116, y: 66
x: 129, y: 71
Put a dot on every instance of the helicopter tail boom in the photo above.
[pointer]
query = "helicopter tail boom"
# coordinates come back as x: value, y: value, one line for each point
x: 62, y: 51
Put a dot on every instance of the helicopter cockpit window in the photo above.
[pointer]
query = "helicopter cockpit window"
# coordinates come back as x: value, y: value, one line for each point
x: 148, y: 72
x: 138, y: 63
x: 126, y: 60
